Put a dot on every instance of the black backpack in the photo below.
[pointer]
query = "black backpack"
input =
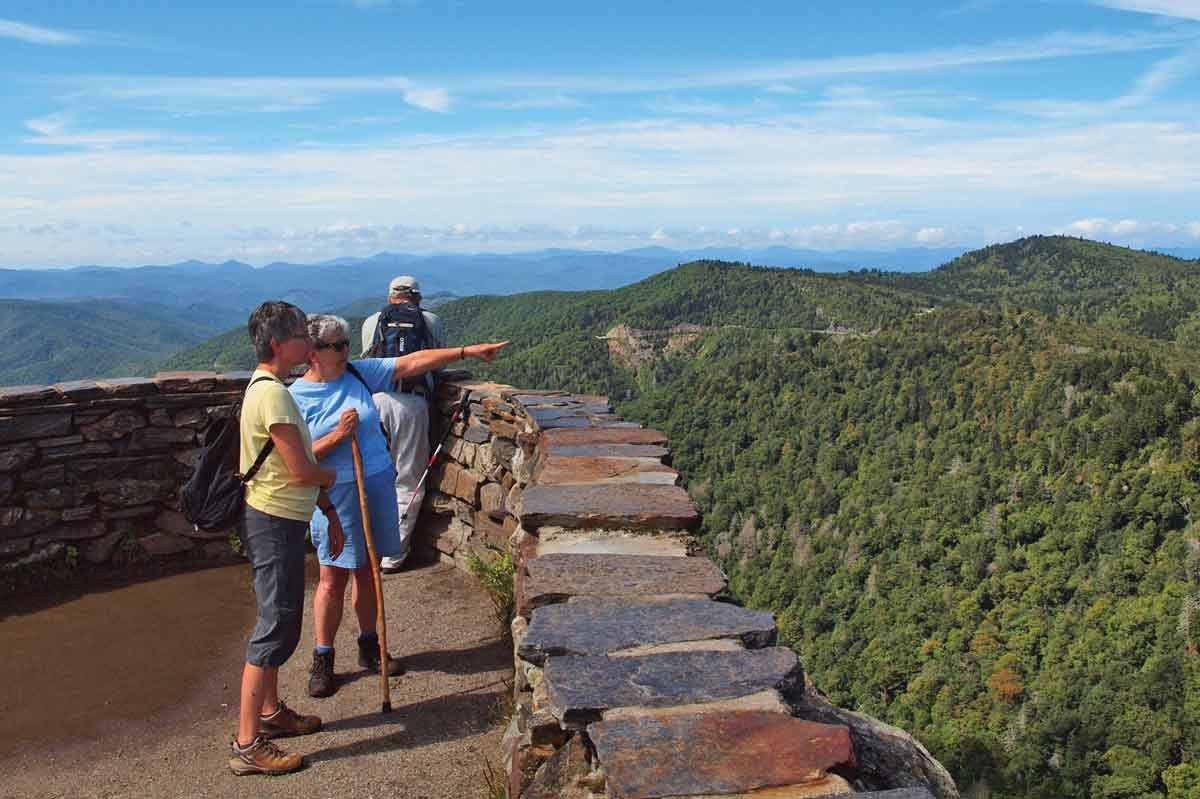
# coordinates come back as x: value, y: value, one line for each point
x: 213, y: 496
x: 401, y: 330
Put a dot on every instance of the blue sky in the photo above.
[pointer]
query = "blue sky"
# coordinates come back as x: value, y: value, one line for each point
x: 135, y: 132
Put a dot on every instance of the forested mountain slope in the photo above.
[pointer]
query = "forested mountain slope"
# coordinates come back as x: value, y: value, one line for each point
x: 47, y: 342
x: 1133, y: 290
x: 974, y: 525
x: 554, y: 333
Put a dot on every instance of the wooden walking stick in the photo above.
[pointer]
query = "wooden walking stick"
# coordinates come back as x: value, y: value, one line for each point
x: 380, y: 616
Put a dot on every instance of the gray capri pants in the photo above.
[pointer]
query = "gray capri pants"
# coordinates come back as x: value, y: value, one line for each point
x: 275, y: 547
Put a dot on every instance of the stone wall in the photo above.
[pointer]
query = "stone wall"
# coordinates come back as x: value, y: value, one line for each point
x: 634, y: 675
x: 90, y: 470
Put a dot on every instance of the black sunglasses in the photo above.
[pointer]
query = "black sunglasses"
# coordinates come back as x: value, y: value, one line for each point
x: 332, y: 345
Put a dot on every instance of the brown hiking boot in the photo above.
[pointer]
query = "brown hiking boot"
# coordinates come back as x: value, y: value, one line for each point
x: 263, y: 757
x: 320, y: 675
x: 368, y: 658
x: 285, y: 721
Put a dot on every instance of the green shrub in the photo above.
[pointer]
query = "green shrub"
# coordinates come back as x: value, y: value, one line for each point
x: 496, y: 576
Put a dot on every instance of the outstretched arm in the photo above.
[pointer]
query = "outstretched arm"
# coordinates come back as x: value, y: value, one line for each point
x: 420, y: 362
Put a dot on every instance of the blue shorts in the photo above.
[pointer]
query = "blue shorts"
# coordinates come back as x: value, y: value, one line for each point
x: 385, y: 522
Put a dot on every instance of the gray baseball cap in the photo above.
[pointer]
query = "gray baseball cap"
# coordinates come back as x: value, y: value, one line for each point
x: 403, y: 284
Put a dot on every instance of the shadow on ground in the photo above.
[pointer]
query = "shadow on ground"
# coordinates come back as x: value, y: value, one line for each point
x: 488, y: 655
x: 431, y: 721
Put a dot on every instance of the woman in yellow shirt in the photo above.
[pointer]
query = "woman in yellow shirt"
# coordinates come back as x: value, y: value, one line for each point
x: 279, y: 504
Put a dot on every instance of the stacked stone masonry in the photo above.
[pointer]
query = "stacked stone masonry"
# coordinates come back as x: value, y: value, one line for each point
x: 90, y: 470
x: 636, y: 677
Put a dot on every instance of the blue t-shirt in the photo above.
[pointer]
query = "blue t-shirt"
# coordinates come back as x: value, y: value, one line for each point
x: 323, y: 403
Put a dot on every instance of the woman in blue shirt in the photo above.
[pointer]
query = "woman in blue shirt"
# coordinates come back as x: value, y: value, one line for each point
x: 336, y: 405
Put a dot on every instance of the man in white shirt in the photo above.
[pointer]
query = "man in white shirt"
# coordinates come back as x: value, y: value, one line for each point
x: 405, y: 416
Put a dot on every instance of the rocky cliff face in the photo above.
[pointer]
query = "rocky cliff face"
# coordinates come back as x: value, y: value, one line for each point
x: 631, y: 347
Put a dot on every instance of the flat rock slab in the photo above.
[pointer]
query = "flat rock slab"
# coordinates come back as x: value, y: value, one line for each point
x: 559, y: 469
x: 608, y: 505
x: 614, y: 542
x: 555, y: 578
x: 894, y: 793
x: 718, y: 754
x: 604, y: 435
x: 654, y: 451
x: 592, y: 626
x: 582, y: 688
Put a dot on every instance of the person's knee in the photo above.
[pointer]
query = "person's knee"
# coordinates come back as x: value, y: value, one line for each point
x: 332, y: 580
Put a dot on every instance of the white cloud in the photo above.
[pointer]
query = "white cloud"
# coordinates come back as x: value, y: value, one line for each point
x: 1088, y: 227
x: 187, y: 95
x: 429, y: 99
x: 931, y: 235
x: 59, y: 129
x: 223, y: 96
x: 1184, y: 9
x: 821, y: 184
x: 533, y: 102
x: 1058, y: 44
x: 1124, y: 229
x: 33, y: 34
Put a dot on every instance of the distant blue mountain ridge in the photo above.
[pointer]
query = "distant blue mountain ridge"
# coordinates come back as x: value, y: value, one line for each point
x: 240, y: 286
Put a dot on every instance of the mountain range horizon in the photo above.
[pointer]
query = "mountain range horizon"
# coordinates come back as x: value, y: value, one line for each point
x: 899, y: 259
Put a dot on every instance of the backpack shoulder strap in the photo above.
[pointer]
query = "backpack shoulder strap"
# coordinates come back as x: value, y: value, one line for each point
x: 358, y: 375
x: 266, y: 450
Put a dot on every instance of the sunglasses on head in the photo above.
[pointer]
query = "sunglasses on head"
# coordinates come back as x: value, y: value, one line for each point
x: 332, y: 345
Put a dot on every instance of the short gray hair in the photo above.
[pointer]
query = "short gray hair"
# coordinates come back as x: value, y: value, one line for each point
x: 321, y: 323
x: 274, y: 319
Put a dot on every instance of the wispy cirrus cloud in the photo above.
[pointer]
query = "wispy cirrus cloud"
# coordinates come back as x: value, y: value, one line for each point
x: 61, y: 129
x: 777, y: 74
x: 1183, y: 9
x: 533, y: 102
x: 202, y: 96
x: 211, y: 96
x: 33, y: 34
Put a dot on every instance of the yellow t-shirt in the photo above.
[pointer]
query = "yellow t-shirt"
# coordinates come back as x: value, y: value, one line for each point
x: 273, y: 489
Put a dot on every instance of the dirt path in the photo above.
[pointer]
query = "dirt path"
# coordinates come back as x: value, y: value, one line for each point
x: 444, y: 726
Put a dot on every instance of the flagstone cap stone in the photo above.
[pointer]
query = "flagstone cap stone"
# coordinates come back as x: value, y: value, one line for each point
x: 556, y: 469
x: 603, y: 435
x: 126, y: 386
x: 554, y: 578
x: 77, y: 390
x: 593, y: 626
x: 715, y: 754
x: 768, y: 701
x: 710, y: 645
x: 648, y: 451
x: 608, y: 505
x: 550, y: 540
x: 25, y: 393
x: 580, y: 689
x: 894, y: 793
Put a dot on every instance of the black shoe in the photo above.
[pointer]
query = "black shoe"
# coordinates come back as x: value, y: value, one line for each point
x: 320, y: 680
x: 368, y: 658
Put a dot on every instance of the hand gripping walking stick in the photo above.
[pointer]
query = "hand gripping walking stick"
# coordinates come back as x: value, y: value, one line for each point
x: 460, y: 413
x: 380, y: 616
